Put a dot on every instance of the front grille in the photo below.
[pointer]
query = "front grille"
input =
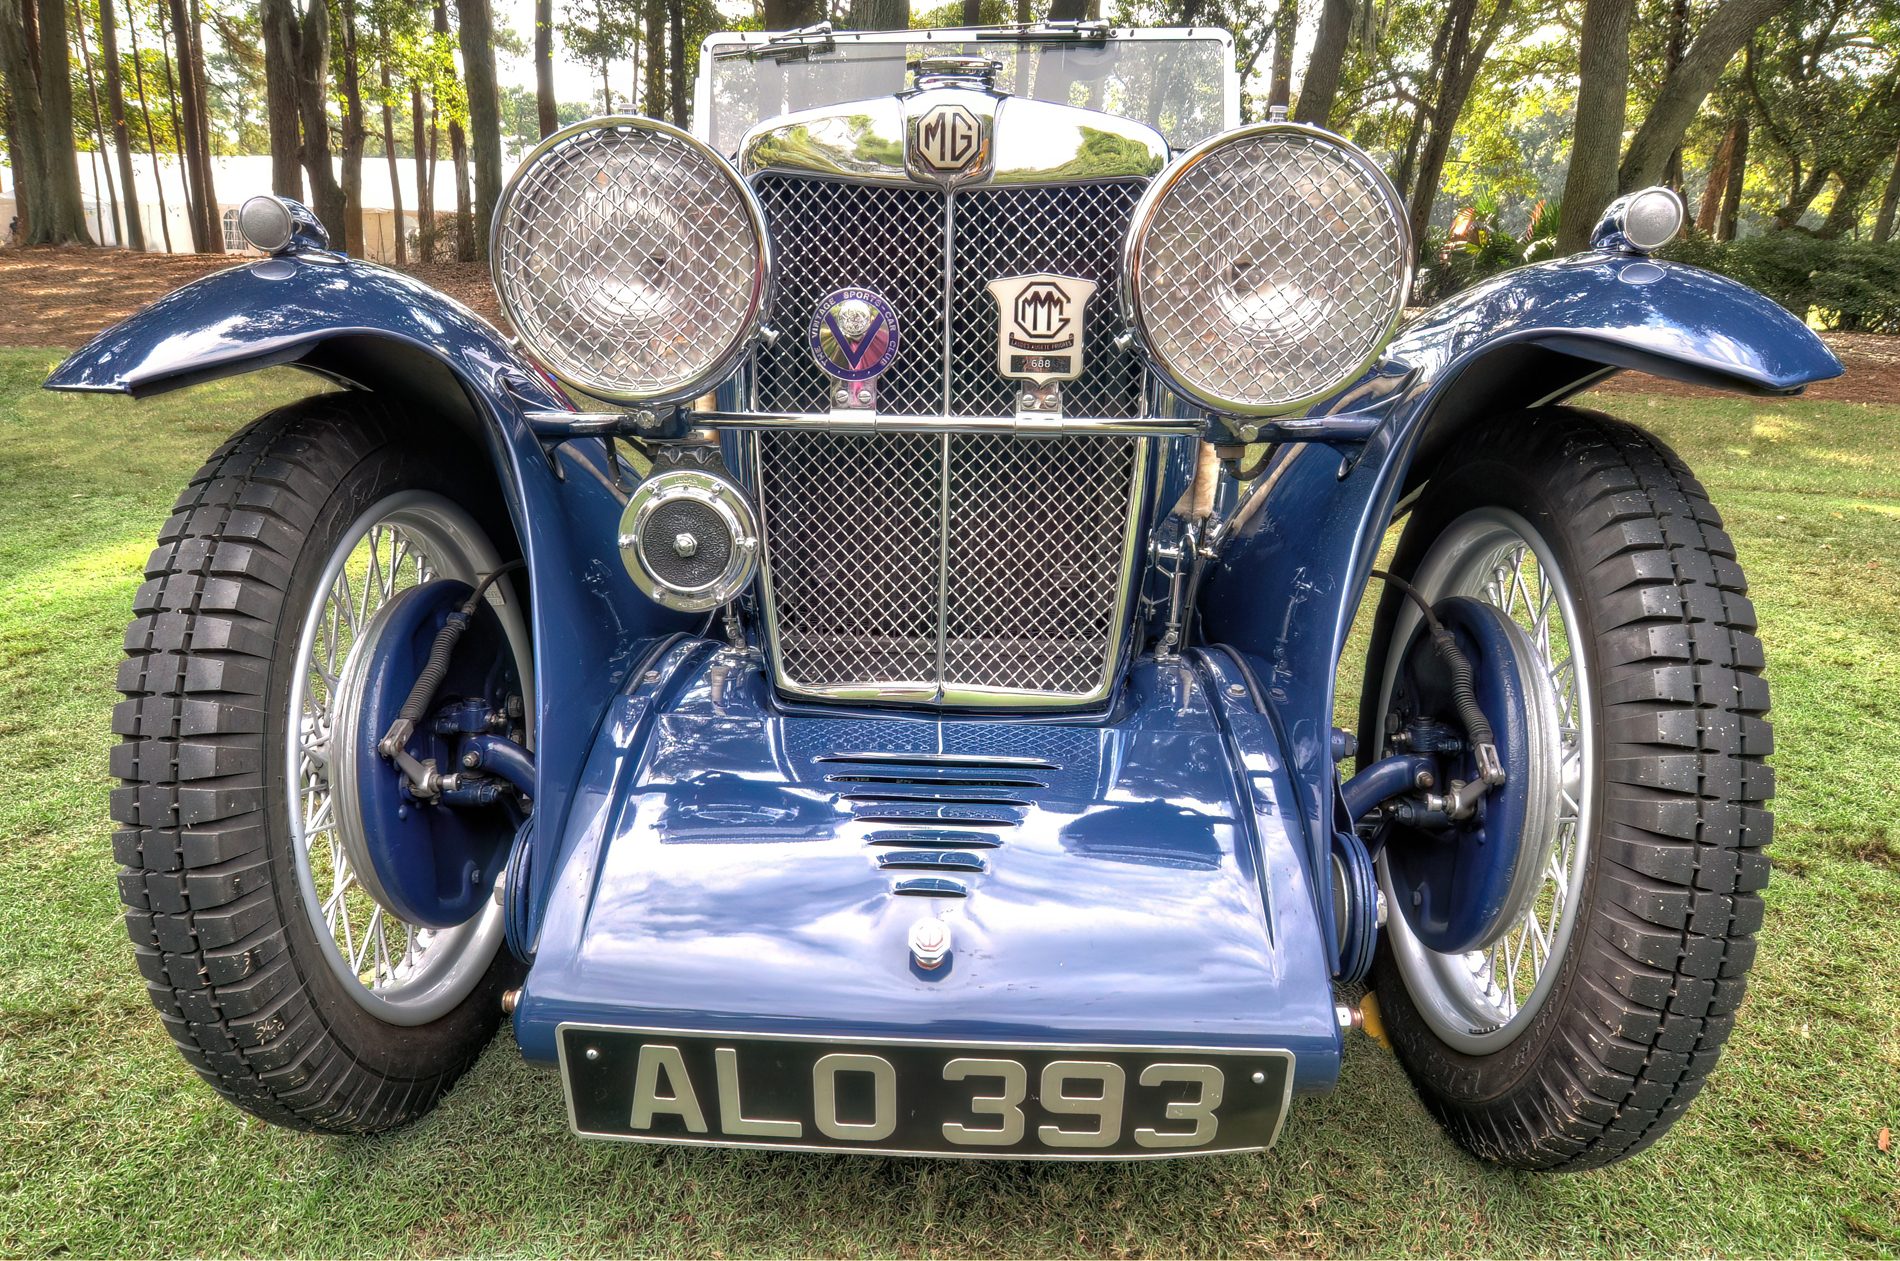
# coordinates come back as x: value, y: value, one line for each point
x: 932, y: 255
x: 957, y: 568
x: 950, y: 564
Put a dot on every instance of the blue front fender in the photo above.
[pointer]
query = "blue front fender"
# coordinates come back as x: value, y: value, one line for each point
x: 374, y: 328
x: 1288, y: 582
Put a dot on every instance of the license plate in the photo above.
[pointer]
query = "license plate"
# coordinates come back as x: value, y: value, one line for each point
x: 999, y: 1099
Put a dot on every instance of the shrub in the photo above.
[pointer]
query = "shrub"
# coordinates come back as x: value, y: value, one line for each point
x: 1837, y: 284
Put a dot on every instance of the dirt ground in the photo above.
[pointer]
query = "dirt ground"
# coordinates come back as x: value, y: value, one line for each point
x: 61, y: 297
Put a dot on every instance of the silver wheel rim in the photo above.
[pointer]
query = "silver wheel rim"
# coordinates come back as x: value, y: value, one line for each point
x: 398, y: 972
x: 1481, y: 1001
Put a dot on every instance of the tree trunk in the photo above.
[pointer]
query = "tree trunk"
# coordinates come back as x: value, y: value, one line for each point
x: 549, y: 116
x: 1683, y: 92
x: 676, y: 63
x: 1286, y: 24
x: 1320, y: 86
x: 1059, y: 11
x: 201, y: 140
x: 890, y: 15
x: 1603, y: 59
x: 1461, y: 61
x: 121, y: 134
x: 98, y: 128
x: 1718, y: 181
x: 787, y: 15
x: 425, y: 195
x: 1845, y: 212
x: 1672, y: 58
x: 64, y: 221
x: 313, y: 96
x: 197, y: 207
x: 277, y: 22
x: 653, y: 103
x: 458, y: 152
x: 1889, y: 201
x: 477, y: 22
x: 354, y: 135
x: 32, y: 190
x: 1805, y: 191
x: 464, y: 210
x: 1732, y: 195
x: 151, y: 139
x: 389, y: 152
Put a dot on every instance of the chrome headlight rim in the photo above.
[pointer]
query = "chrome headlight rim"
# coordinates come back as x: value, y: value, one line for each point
x: 764, y: 265
x: 1131, y: 299
x: 727, y: 501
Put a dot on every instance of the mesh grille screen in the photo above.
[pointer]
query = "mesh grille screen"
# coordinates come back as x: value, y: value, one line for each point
x: 1071, y: 230
x: 831, y: 235
x: 1028, y: 583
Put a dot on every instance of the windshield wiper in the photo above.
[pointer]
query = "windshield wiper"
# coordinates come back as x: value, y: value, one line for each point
x: 1095, y: 32
x: 790, y: 46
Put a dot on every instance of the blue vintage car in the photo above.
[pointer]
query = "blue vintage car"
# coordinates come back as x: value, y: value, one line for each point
x: 901, y: 712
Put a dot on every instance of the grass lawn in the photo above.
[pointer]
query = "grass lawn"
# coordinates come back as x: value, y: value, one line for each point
x: 111, y: 1145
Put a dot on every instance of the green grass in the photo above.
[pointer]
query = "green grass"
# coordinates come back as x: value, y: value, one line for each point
x: 110, y: 1145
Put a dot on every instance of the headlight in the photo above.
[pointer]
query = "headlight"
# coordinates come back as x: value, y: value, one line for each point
x: 1265, y: 268
x: 632, y: 259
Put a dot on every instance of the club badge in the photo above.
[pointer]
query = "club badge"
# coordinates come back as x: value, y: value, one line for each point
x: 854, y: 334
x: 1039, y: 326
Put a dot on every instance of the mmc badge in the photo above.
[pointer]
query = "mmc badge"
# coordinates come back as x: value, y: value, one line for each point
x: 854, y: 334
x: 1040, y: 326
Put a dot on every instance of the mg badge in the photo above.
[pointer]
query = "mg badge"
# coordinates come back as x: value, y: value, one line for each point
x: 1039, y: 326
x: 948, y: 137
x: 854, y: 334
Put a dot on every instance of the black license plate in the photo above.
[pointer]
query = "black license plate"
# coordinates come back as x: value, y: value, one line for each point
x: 996, y: 1099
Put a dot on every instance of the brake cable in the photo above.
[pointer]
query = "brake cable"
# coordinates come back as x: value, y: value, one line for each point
x: 1477, y: 726
x: 423, y: 693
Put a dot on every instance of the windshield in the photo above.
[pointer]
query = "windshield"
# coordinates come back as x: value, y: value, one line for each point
x: 1181, y: 82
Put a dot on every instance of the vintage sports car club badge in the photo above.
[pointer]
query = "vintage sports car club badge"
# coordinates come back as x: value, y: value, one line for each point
x: 1039, y: 326
x: 854, y: 334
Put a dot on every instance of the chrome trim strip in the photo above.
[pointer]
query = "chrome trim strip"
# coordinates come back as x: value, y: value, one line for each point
x: 1176, y: 1153
x: 1007, y: 426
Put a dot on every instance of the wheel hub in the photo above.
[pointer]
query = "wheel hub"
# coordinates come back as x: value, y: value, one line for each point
x: 1463, y: 882
x: 427, y: 862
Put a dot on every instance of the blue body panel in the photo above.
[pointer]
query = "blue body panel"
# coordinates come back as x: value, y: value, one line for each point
x: 1170, y: 882
x: 734, y: 867
x: 1286, y: 587
x: 589, y: 624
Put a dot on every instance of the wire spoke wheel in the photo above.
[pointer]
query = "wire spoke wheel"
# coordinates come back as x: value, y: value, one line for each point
x: 400, y: 972
x: 1480, y: 1000
x: 1579, y: 1033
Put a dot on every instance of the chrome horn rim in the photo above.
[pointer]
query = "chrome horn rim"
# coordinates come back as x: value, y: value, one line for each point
x: 1480, y: 1001
x: 400, y: 973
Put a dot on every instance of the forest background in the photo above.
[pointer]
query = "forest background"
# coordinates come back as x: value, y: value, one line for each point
x: 1778, y: 119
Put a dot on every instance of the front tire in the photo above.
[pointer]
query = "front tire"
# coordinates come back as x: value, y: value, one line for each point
x: 291, y: 992
x: 1579, y: 1036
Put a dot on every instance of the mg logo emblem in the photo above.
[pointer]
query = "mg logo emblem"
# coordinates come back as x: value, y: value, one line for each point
x: 948, y: 137
x: 1042, y: 310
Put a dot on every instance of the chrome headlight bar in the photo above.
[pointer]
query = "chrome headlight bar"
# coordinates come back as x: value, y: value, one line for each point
x: 632, y: 259
x: 1266, y: 268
